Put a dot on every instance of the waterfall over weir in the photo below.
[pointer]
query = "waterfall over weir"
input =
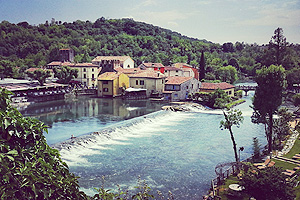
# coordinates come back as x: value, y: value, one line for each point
x: 118, y: 133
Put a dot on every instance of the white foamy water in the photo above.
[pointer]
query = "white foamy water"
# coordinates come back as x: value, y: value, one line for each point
x: 143, y: 127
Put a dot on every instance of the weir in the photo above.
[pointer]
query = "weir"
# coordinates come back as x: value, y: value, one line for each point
x: 108, y: 132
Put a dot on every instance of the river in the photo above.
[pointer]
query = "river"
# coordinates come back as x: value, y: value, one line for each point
x: 172, y: 151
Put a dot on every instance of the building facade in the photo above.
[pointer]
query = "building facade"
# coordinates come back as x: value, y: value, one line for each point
x: 112, y: 84
x: 211, y: 87
x: 153, y: 81
x: 178, y: 88
x: 118, y: 61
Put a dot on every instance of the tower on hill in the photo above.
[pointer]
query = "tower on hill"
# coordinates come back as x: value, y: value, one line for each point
x: 66, y: 55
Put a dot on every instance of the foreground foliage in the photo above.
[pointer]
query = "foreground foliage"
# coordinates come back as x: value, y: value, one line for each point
x: 268, y: 97
x: 267, y: 184
x: 30, y: 169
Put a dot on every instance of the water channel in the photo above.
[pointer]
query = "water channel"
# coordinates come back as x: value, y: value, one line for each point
x: 172, y: 151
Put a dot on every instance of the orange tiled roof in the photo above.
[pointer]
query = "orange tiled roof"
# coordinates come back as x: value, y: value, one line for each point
x: 214, y: 86
x: 128, y: 70
x: 108, y: 76
x: 170, y: 68
x: 147, y: 74
x: 58, y: 63
x: 153, y: 65
x: 85, y: 65
x: 177, y: 80
x: 121, y: 58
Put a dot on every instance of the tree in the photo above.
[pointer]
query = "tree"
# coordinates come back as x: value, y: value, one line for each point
x: 65, y: 74
x: 227, y: 74
x: 256, y: 149
x: 202, y: 67
x: 281, y: 127
x: 40, y: 75
x: 278, y: 45
x: 267, y: 184
x: 293, y: 77
x: 30, y: 168
x: 268, y: 97
x: 232, y: 118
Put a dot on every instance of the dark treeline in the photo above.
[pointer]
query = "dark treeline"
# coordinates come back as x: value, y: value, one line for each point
x: 23, y: 45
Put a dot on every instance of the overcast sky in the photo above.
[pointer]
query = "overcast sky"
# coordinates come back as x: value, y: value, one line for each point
x: 218, y: 21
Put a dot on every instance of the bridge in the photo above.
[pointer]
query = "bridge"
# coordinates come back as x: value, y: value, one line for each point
x: 246, y: 88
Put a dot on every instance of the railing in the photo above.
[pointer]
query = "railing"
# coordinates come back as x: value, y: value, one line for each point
x: 228, y: 172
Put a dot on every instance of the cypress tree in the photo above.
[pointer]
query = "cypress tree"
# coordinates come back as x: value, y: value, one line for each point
x: 202, y: 67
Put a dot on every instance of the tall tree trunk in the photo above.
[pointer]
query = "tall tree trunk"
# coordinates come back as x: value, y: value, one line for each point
x: 270, y: 131
x: 234, y: 146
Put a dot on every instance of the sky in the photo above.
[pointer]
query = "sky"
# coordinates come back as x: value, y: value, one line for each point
x: 218, y: 21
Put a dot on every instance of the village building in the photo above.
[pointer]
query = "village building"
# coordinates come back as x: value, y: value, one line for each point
x: 153, y: 66
x: 116, y: 61
x: 152, y: 81
x: 178, y: 88
x: 173, y: 71
x: 188, y: 70
x: 211, y: 87
x: 112, y: 84
x: 87, y: 74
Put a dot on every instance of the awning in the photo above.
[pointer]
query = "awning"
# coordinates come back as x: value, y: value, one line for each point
x: 135, y: 89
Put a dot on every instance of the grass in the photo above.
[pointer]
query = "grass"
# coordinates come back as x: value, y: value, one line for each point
x: 229, y: 105
x: 223, y: 189
x: 283, y: 165
x: 294, y: 150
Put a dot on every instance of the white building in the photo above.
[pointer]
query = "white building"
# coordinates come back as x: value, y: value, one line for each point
x: 119, y: 61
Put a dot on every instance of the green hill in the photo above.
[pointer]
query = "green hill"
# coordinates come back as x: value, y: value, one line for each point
x: 24, y: 45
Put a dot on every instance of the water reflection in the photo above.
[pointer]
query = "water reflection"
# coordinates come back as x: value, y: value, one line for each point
x: 105, y: 110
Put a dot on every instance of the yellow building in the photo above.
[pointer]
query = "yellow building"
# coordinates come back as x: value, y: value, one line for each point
x: 153, y: 81
x: 112, y: 84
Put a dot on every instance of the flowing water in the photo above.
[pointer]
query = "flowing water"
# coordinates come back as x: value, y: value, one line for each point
x: 172, y: 151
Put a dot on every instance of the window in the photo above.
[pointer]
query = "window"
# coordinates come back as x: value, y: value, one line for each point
x: 105, y: 89
x: 162, y: 81
x: 92, y: 69
x: 93, y: 76
x: 141, y: 82
x: 84, y: 75
x: 84, y: 70
x: 137, y: 82
x: 105, y: 82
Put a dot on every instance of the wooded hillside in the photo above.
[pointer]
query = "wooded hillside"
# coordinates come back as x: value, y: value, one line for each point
x: 25, y: 46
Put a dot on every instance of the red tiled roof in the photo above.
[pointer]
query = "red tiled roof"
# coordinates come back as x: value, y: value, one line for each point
x: 109, y: 76
x: 169, y: 68
x: 58, y: 63
x: 128, y: 70
x: 153, y: 65
x: 214, y: 86
x: 147, y: 74
x: 177, y: 80
x: 85, y: 65
x: 121, y: 58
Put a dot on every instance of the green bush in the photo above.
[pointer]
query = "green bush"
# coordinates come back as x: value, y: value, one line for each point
x: 30, y: 169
